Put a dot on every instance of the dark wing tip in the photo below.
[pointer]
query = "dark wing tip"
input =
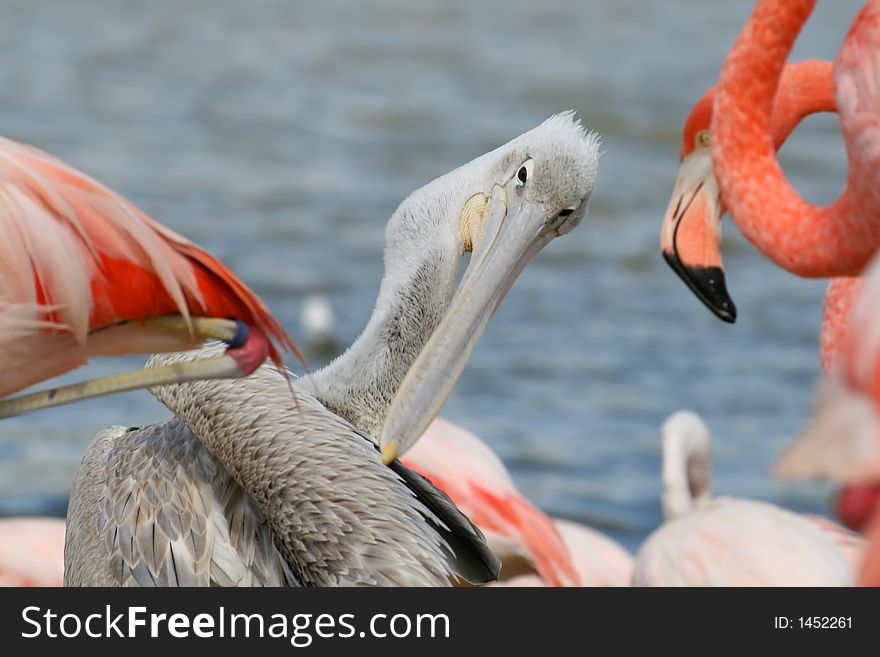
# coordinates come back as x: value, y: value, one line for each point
x: 472, y: 559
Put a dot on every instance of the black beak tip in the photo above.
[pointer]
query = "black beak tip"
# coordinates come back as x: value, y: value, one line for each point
x: 708, y: 284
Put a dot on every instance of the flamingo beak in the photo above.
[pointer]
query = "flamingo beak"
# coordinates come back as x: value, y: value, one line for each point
x: 514, y: 230
x: 690, y: 238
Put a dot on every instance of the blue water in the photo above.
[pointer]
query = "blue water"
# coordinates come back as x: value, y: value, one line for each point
x: 281, y: 136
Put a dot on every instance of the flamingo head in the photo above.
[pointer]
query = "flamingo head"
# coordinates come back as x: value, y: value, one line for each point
x: 690, y: 237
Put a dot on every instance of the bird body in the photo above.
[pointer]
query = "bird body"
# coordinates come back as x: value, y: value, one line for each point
x: 598, y: 560
x: 730, y: 541
x: 31, y: 551
x: 734, y: 542
x: 274, y: 493
x: 466, y: 469
x: 249, y: 485
x: 535, y: 550
x: 841, y: 441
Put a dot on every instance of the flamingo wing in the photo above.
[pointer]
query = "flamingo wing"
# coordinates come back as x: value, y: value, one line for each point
x: 473, y: 476
x: 77, y: 256
x: 599, y: 560
x: 733, y: 542
x: 850, y: 543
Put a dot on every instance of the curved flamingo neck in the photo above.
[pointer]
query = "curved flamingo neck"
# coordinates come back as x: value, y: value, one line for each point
x: 686, y: 465
x: 805, y: 88
x: 840, y: 297
x: 800, y: 237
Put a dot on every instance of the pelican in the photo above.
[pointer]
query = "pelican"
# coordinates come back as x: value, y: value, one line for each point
x: 249, y: 486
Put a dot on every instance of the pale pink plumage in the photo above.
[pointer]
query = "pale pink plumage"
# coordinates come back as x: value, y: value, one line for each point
x: 733, y: 542
x: 598, y: 560
x: 561, y: 553
x: 31, y: 552
x: 76, y: 257
x: 842, y: 441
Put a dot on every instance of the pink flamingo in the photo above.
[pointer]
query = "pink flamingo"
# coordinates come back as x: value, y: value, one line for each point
x: 759, y: 100
x: 842, y: 441
x: 811, y: 241
x: 598, y: 560
x: 84, y: 273
x: 691, y: 232
x: 31, y: 551
x: 712, y: 542
x: 535, y: 550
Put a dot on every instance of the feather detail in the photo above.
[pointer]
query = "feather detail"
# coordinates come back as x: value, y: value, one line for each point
x: 92, y: 259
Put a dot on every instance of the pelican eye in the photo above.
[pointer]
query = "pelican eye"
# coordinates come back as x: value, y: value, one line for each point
x: 525, y: 172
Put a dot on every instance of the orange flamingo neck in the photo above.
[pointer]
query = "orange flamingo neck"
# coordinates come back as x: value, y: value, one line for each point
x: 805, y: 88
x: 802, y: 238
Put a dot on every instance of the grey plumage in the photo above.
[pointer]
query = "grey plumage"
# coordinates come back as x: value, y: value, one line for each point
x: 249, y: 487
x: 172, y: 514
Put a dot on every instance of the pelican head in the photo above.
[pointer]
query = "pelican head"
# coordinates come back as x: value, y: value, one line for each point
x: 504, y: 207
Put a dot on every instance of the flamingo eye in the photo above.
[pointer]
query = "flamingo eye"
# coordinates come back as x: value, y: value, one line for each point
x: 703, y: 138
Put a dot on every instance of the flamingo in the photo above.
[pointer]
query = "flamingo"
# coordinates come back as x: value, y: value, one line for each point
x: 551, y: 552
x: 730, y: 541
x: 757, y: 103
x: 810, y: 241
x: 534, y: 549
x: 691, y: 229
x: 690, y: 234
x: 244, y: 487
x: 597, y: 559
x: 31, y: 551
x: 842, y: 440
x: 466, y: 469
x: 85, y: 273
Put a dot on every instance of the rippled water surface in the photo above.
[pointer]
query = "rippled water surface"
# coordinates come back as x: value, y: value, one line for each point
x: 282, y: 135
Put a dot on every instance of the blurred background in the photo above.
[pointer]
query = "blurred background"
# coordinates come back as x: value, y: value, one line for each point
x: 282, y: 135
